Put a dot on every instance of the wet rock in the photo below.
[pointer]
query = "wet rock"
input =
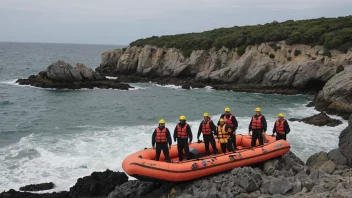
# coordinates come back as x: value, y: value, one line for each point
x: 16, y: 194
x: 345, y: 142
x: 321, y: 119
x: 250, y: 180
x: 38, y: 187
x: 336, y: 156
x: 98, y: 184
x: 294, y: 120
x: 310, y: 104
x: 186, y: 87
x: 62, y: 75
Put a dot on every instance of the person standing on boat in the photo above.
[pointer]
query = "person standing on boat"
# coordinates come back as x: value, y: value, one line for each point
x: 258, y: 127
x: 162, y: 138
x: 182, y: 133
x: 223, y: 133
x: 207, y: 127
x: 281, y: 127
x: 231, y: 121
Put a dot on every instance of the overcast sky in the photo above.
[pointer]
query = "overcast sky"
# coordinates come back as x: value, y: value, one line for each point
x: 120, y: 22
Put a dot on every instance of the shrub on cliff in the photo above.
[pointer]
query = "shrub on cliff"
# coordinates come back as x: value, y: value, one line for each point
x: 333, y: 33
x: 272, y: 56
x: 297, y: 52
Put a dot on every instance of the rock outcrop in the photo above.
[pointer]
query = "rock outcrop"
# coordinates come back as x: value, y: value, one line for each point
x: 63, y: 75
x: 336, y: 96
x: 308, y: 71
x: 98, y: 184
x: 320, y: 119
x: 266, y: 68
x: 38, y: 187
x: 345, y: 142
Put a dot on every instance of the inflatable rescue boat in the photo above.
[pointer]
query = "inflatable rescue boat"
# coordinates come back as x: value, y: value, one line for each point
x: 142, y: 165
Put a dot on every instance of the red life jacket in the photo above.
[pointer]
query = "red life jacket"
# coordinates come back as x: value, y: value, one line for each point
x: 182, y: 132
x: 228, y: 121
x: 206, y: 130
x: 257, y: 122
x: 160, y: 136
x: 279, y: 126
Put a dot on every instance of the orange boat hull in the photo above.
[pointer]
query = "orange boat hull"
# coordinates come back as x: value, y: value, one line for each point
x: 142, y: 165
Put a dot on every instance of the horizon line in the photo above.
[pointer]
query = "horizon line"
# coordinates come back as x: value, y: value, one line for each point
x: 34, y: 42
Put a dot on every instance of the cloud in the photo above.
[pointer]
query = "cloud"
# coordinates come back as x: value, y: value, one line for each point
x: 120, y: 22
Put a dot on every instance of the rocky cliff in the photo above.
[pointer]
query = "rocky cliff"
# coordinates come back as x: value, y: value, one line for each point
x: 267, y: 68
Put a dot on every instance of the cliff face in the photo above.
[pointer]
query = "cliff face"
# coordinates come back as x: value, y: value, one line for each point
x: 291, y: 67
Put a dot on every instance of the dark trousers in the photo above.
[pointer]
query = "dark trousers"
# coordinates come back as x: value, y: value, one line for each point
x: 280, y: 136
x: 233, y: 140
x: 209, y: 139
x: 257, y: 134
x: 165, y: 148
x: 225, y: 146
x: 182, y: 144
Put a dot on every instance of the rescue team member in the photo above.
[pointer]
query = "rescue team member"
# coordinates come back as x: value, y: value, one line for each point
x: 231, y: 121
x: 182, y: 133
x: 281, y: 127
x: 258, y: 127
x: 207, y: 127
x: 223, y: 133
x: 162, y: 138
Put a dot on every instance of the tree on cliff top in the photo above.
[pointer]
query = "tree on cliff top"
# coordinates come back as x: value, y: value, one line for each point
x: 333, y: 33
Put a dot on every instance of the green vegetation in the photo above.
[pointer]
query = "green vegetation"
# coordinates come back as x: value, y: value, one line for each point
x: 333, y: 33
x: 297, y: 52
x: 275, y: 47
x: 327, y: 53
x: 272, y: 56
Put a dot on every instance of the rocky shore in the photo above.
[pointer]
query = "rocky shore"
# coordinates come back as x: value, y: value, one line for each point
x: 267, y: 68
x: 62, y: 75
x: 323, y: 175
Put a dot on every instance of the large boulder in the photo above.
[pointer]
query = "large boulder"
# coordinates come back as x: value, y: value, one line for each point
x: 336, y: 96
x: 336, y: 156
x: 317, y: 159
x: 38, y: 187
x: 345, y: 142
x: 98, y: 184
x: 321, y: 119
x: 62, y: 75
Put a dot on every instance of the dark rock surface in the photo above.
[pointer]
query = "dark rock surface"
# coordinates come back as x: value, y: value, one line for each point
x: 62, y: 75
x: 345, y: 142
x: 320, y: 119
x: 97, y: 184
x: 38, y: 187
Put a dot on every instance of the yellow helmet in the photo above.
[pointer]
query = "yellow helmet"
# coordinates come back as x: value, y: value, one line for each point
x: 257, y: 109
x: 161, y: 121
x: 206, y: 114
x: 227, y: 109
x: 182, y: 117
x: 281, y: 115
x: 221, y: 120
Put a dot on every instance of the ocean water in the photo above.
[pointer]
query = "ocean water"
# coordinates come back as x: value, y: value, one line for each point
x: 49, y: 135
